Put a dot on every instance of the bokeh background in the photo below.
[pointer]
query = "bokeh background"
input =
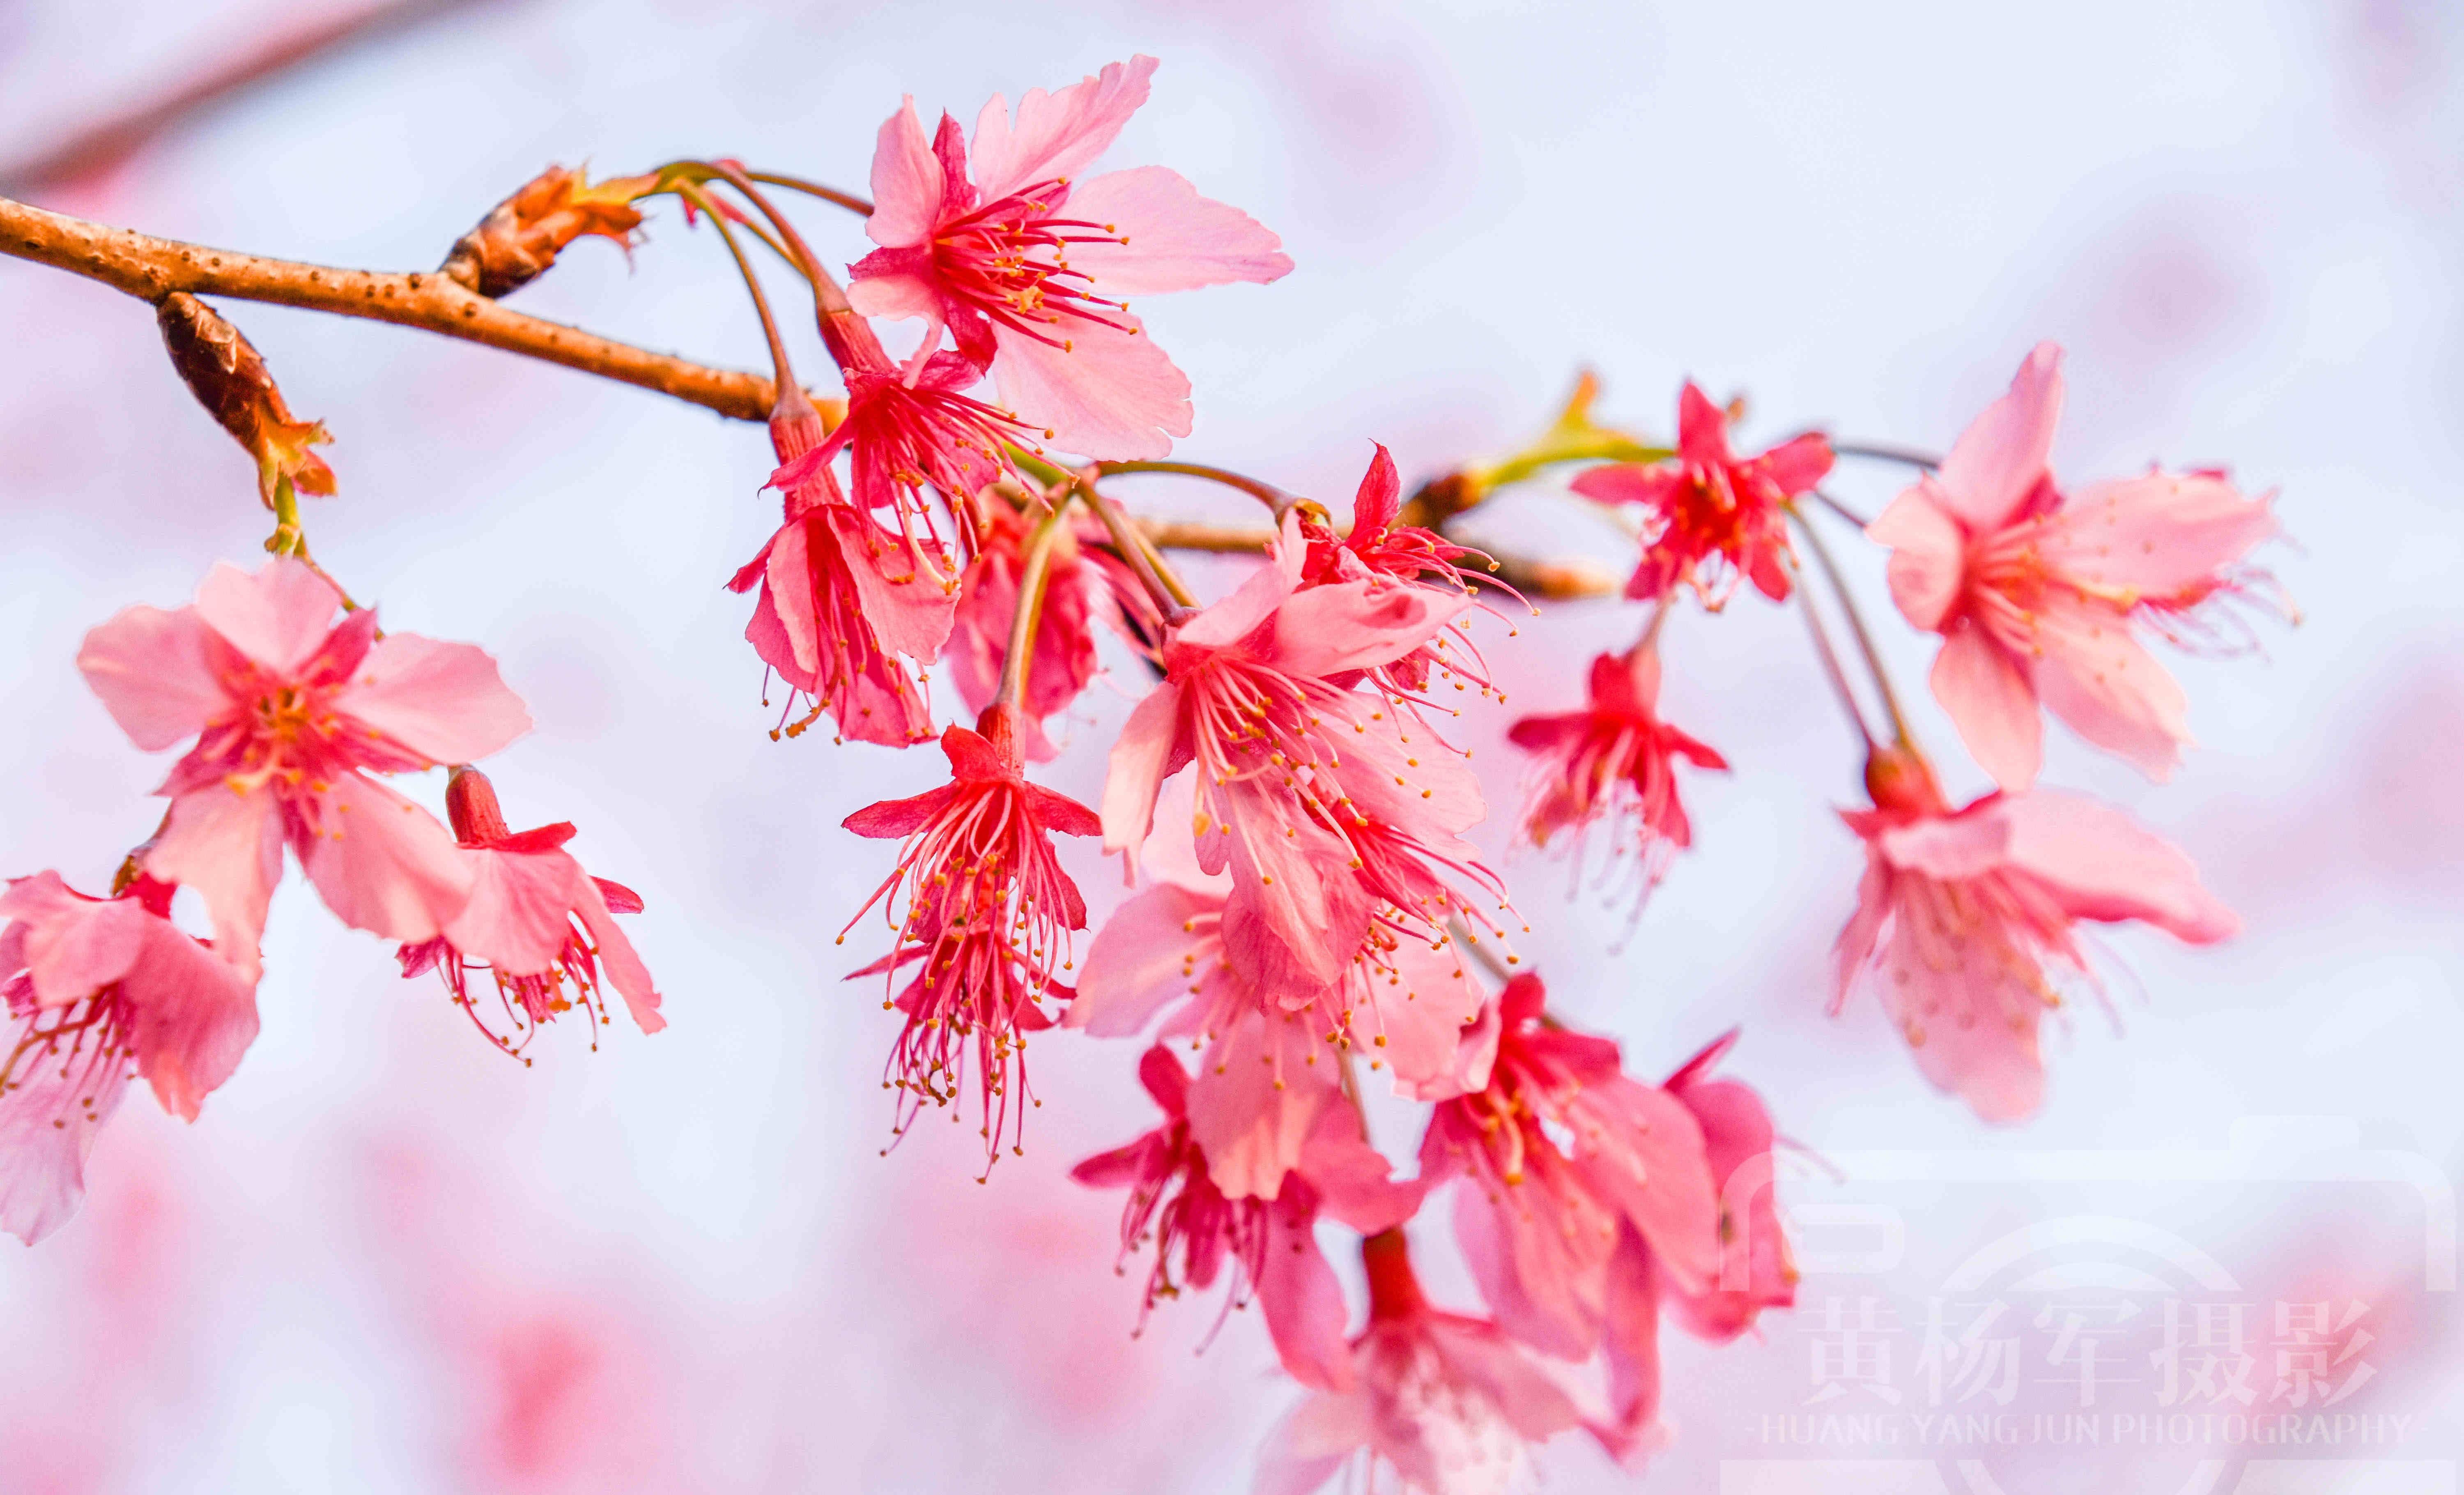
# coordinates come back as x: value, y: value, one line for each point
x: 387, y: 1259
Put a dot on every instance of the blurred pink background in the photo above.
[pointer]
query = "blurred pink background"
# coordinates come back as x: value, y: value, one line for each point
x: 387, y: 1259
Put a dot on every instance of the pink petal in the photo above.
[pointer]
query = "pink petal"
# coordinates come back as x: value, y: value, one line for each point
x: 790, y: 596
x: 625, y: 969
x: 155, y: 673
x: 2102, y: 865
x: 1108, y: 395
x: 279, y: 617
x: 1538, y: 1266
x: 1928, y: 558
x: 1656, y: 1167
x: 1625, y: 482
x: 48, y: 1122
x: 1348, y: 625
x: 2158, y: 536
x: 1970, y: 1015
x: 1702, y: 427
x: 1142, y: 961
x: 1314, y: 1440
x: 905, y: 605
x: 2000, y: 457
x: 906, y: 184
x: 1951, y: 848
x: 445, y: 702
x: 1235, y: 617
x: 1055, y: 134
x: 382, y: 864
x: 228, y: 847
x: 895, y: 295
x: 2108, y: 689
x: 1416, y: 1021
x: 1178, y: 240
x: 1253, y: 1101
x: 1353, y: 1180
x: 519, y: 912
x: 72, y: 947
x: 1380, y: 495
x: 195, y: 1016
x: 1855, y: 946
x: 1136, y: 771
x: 1302, y: 1303
x: 1991, y: 703
x: 1631, y: 1339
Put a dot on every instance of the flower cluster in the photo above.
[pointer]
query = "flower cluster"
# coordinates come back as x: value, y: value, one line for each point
x: 1309, y: 918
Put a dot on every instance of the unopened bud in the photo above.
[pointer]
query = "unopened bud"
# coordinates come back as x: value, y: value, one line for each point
x: 1899, y: 779
x: 519, y: 239
x: 471, y: 805
x: 229, y: 378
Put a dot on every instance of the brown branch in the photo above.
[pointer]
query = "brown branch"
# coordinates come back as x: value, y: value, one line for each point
x: 150, y: 269
x: 1557, y: 581
x: 103, y: 145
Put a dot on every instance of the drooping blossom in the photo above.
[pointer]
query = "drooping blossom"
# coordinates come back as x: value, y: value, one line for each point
x: 1756, y: 1269
x: 1586, y: 1195
x: 1269, y: 1067
x: 1966, y: 921
x: 1294, y: 769
x: 1613, y: 763
x: 983, y: 912
x: 2040, y: 597
x: 1176, y: 1209
x: 1030, y: 268
x: 1063, y: 657
x: 535, y: 921
x: 292, y: 711
x: 1451, y: 1404
x: 94, y: 988
x: 1380, y: 547
x: 1712, y: 518
x: 839, y: 599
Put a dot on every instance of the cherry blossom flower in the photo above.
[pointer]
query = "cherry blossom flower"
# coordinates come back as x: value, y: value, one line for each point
x: 1714, y: 518
x: 979, y: 898
x: 839, y: 597
x: 1585, y: 1194
x: 96, y: 987
x: 535, y: 921
x: 1064, y: 661
x: 1270, y: 1069
x: 1271, y: 1243
x: 1451, y: 1403
x: 292, y: 712
x: 1756, y: 1271
x: 2040, y: 597
x: 1966, y: 920
x: 1615, y: 763
x: 1380, y: 547
x: 1292, y: 766
x: 1028, y: 268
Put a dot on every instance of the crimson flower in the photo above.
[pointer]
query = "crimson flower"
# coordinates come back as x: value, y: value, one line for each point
x: 535, y: 921
x: 292, y: 711
x: 1713, y: 517
x: 96, y: 987
x: 1966, y: 920
x: 1271, y: 1243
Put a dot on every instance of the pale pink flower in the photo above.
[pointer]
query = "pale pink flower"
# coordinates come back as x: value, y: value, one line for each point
x: 1029, y: 268
x: 535, y: 921
x: 292, y: 711
x: 1271, y: 1243
x: 2039, y: 597
x: 94, y: 987
x: 1270, y: 1069
x: 1614, y: 762
x: 839, y: 599
x: 1295, y: 771
x: 1063, y: 659
x: 979, y: 898
x: 1452, y: 1404
x: 1964, y: 921
x: 1713, y: 518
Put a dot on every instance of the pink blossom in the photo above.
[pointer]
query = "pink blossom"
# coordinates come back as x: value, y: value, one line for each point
x: 1450, y: 1403
x: 1966, y: 920
x: 1756, y: 1271
x: 1713, y: 518
x: 839, y: 599
x: 979, y: 898
x: 1586, y: 1196
x: 1297, y: 773
x: 292, y: 712
x: 535, y: 921
x: 1380, y: 547
x: 1613, y: 762
x: 2040, y: 597
x: 1028, y: 268
x: 1063, y: 660
x: 95, y: 986
x: 1271, y: 1243
x: 1270, y: 1067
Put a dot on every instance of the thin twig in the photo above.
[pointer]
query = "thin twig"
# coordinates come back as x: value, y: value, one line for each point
x: 780, y: 367
x: 149, y: 269
x: 1882, y: 451
x: 1831, y: 670
x: 846, y: 200
x: 1840, y: 509
x: 1266, y: 493
x: 1162, y: 586
x: 1035, y: 568
x: 1856, y: 624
